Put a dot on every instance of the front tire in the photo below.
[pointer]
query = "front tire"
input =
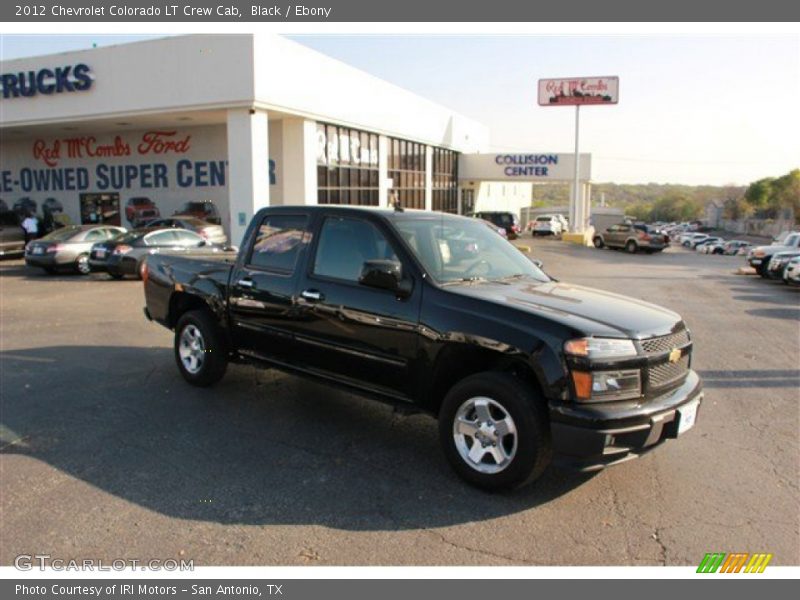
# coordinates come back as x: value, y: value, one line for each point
x: 494, y: 431
x: 598, y: 242
x: 200, y: 349
x: 631, y: 247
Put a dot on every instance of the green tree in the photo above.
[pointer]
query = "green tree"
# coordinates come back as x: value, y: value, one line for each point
x: 786, y: 192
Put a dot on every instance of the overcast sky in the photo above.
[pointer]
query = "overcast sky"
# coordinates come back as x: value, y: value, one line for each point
x: 712, y: 109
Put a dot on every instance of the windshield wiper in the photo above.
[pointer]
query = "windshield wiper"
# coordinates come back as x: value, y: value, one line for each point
x: 514, y: 276
x: 465, y: 280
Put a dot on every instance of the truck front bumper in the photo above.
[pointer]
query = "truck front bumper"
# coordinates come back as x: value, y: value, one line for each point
x: 592, y: 437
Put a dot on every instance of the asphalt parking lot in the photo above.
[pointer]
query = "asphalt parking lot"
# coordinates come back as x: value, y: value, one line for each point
x: 105, y: 452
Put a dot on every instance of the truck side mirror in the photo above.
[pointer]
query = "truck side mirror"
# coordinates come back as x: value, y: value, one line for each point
x: 385, y: 275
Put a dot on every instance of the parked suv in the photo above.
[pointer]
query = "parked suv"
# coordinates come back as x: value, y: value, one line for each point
x: 507, y: 220
x: 632, y: 238
x: 759, y: 257
x: 140, y: 209
x: 203, y: 210
x: 547, y: 225
x: 436, y: 313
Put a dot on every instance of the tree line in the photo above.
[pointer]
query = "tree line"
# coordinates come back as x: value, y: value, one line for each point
x: 768, y: 198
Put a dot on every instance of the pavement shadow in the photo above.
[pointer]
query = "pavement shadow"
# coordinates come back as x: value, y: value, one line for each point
x: 756, y: 378
x: 259, y: 448
x: 790, y: 314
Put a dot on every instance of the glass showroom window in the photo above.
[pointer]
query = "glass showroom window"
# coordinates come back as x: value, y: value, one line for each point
x: 407, y: 172
x: 347, y: 166
x: 445, y: 180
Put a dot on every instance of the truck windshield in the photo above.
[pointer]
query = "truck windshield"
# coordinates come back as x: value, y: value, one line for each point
x: 456, y: 249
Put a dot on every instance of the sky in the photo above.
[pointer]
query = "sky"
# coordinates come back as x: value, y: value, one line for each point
x: 693, y: 109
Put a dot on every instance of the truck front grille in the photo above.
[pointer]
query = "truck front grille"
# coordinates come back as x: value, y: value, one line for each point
x: 668, y: 373
x: 665, y: 343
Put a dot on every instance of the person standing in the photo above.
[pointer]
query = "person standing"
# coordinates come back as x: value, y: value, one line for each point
x: 31, y: 227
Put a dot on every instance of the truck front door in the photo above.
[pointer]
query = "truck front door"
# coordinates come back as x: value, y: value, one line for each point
x: 350, y: 332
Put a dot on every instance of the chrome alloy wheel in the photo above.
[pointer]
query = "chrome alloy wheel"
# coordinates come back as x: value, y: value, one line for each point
x: 192, y: 349
x: 485, y: 435
x: 83, y: 264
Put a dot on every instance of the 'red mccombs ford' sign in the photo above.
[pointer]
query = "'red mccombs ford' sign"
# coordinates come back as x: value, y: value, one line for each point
x: 576, y: 91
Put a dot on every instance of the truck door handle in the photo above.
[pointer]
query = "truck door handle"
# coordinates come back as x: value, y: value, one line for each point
x: 245, y: 282
x: 312, y: 295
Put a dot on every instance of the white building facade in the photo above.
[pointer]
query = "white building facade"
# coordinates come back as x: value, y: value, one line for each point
x: 120, y: 133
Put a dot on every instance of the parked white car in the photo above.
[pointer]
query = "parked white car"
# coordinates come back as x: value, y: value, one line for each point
x: 707, y: 245
x: 690, y: 240
x: 548, y: 225
x: 791, y: 274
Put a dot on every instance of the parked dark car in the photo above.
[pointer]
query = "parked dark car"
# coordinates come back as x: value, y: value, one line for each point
x: 127, y: 254
x: 436, y: 313
x: 68, y: 247
x: 12, y: 236
x: 208, y: 231
x: 140, y: 209
x: 205, y: 211
x: 632, y: 238
x: 507, y: 220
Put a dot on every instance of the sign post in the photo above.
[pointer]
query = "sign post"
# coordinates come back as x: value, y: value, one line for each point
x: 578, y: 91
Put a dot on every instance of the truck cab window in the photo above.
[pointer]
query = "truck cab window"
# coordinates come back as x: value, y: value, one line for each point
x: 278, y: 242
x: 344, y: 245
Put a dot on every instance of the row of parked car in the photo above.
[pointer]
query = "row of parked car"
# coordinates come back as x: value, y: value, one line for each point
x: 120, y: 252
x: 780, y: 260
x: 711, y: 244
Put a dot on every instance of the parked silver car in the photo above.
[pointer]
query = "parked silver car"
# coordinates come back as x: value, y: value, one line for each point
x: 69, y: 247
x: 210, y: 232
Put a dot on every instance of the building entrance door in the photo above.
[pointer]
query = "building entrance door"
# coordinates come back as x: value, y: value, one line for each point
x: 100, y: 208
x: 467, y: 201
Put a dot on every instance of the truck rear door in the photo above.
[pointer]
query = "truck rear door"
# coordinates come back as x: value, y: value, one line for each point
x: 263, y: 284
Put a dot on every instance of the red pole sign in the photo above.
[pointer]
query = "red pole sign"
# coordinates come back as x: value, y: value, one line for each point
x: 578, y: 91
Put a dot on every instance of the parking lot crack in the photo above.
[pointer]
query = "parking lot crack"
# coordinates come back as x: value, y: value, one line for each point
x: 483, y: 552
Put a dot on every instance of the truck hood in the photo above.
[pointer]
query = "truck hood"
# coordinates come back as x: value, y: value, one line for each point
x: 589, y: 310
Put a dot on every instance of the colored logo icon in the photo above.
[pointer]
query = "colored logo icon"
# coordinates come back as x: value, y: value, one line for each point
x: 736, y: 562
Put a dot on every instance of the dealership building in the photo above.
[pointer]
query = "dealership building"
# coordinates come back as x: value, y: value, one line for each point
x: 123, y: 133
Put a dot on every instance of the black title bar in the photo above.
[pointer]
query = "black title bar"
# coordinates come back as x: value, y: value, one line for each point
x: 242, y: 11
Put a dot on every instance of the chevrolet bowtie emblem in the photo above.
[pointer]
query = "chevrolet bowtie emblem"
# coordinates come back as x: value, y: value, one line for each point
x: 675, y: 355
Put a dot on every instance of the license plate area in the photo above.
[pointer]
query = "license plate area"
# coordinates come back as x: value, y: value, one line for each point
x: 687, y: 416
x: 38, y: 250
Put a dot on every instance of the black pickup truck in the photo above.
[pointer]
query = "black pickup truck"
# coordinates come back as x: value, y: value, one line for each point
x: 437, y: 313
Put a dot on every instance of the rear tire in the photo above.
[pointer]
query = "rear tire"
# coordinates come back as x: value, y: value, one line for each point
x: 200, y: 349
x: 631, y: 247
x: 82, y: 265
x: 598, y: 242
x: 503, y: 440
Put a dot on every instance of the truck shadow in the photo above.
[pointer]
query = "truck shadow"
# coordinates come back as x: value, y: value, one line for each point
x: 259, y: 448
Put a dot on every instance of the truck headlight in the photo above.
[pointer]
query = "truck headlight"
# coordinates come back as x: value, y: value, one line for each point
x: 600, y: 348
x: 604, y: 386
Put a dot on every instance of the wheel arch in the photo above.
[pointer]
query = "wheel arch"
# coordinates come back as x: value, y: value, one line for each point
x: 455, y: 362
